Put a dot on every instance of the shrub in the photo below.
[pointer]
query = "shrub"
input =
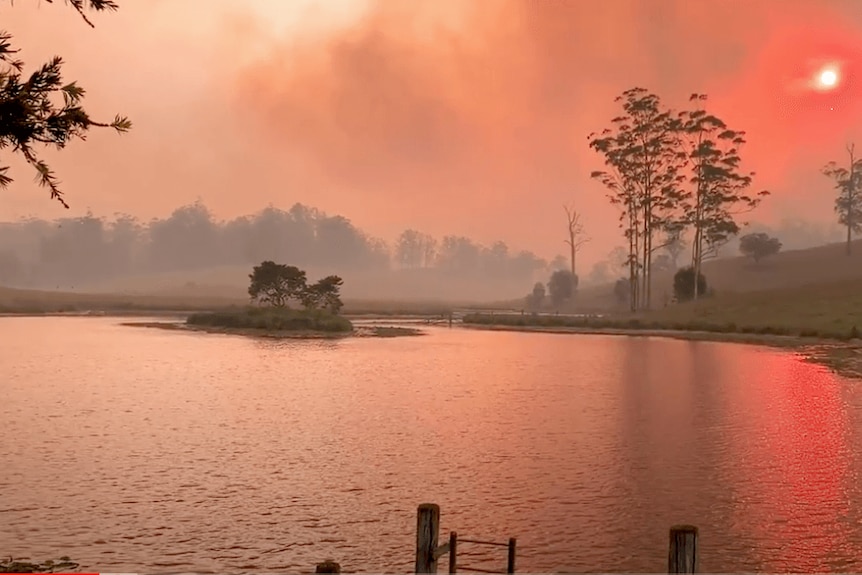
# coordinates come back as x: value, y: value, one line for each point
x: 683, y: 284
x: 273, y: 319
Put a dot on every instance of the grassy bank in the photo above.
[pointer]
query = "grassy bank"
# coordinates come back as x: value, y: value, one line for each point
x: 44, y: 302
x: 37, y: 302
x: 279, y: 324
x: 830, y: 311
x: 272, y: 320
x: 655, y: 324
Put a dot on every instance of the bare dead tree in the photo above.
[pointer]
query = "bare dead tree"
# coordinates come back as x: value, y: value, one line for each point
x: 577, y: 236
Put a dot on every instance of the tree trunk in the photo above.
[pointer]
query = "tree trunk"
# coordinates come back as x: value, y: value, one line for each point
x: 851, y: 197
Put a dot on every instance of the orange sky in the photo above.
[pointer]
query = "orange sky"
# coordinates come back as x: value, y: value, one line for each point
x: 453, y: 116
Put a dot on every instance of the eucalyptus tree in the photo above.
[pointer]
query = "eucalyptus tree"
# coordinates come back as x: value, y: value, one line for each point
x: 848, y: 183
x: 719, y: 189
x: 643, y: 177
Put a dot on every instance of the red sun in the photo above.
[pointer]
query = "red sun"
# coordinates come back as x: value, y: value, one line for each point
x: 827, y: 78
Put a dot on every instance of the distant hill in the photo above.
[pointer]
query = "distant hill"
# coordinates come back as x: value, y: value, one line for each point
x: 821, y: 265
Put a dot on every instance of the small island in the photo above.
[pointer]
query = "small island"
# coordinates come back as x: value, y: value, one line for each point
x: 273, y: 288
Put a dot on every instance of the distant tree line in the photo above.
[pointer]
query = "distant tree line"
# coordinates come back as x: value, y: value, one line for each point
x: 36, y: 253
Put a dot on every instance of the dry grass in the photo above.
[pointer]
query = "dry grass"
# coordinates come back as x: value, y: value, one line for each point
x: 43, y: 302
x: 829, y: 311
x: 35, y: 302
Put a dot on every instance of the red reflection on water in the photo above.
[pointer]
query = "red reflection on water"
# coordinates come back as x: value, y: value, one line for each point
x: 803, y: 492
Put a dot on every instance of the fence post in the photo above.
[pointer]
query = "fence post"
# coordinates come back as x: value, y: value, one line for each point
x: 453, y: 552
x: 682, y: 555
x: 427, y: 533
x: 328, y: 567
x: 510, y: 563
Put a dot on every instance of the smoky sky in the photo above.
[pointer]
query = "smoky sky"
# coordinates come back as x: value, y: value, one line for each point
x: 451, y: 116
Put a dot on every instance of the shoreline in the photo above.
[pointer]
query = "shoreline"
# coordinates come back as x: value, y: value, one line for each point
x: 358, y: 331
x: 843, y: 358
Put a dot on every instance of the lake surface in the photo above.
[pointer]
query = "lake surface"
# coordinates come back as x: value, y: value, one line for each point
x: 146, y: 450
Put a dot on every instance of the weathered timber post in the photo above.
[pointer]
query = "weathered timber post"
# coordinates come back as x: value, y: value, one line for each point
x: 510, y: 563
x: 682, y: 555
x: 328, y: 567
x: 453, y: 552
x: 427, y: 533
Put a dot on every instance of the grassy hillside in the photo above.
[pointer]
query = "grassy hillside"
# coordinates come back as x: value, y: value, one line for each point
x: 812, y: 292
x: 827, y: 265
x: 830, y: 309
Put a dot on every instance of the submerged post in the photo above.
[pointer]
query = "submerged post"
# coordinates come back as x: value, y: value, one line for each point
x: 682, y: 555
x: 328, y: 567
x: 427, y: 533
x: 453, y: 552
x: 510, y: 563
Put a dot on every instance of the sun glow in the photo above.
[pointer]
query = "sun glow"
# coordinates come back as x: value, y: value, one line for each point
x: 827, y: 78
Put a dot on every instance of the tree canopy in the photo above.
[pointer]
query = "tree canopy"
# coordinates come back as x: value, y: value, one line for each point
x: 562, y: 286
x: 848, y: 183
x: 758, y: 246
x: 276, y: 284
x: 668, y: 172
x: 40, y: 109
x: 279, y: 284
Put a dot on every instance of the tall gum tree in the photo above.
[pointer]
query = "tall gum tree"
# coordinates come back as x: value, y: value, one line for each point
x: 718, y: 187
x: 643, y: 177
x: 848, y: 184
x: 41, y: 110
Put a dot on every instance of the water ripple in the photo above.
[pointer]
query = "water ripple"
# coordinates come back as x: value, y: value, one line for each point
x: 146, y: 451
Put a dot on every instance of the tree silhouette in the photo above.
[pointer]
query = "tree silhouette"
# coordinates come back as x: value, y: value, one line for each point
x: 576, y: 235
x: 561, y: 286
x: 758, y: 246
x: 718, y: 186
x: 276, y: 284
x: 642, y: 178
x: 31, y: 116
x: 848, y: 182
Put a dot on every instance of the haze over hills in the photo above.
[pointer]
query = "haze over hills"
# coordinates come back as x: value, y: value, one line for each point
x: 192, y: 253
x: 191, y: 256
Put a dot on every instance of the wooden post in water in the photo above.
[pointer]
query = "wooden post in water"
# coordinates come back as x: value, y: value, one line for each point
x: 510, y: 563
x: 682, y: 555
x: 427, y: 533
x: 328, y: 567
x: 453, y: 552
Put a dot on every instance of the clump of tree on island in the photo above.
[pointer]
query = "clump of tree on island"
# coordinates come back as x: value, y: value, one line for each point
x: 273, y: 287
x: 279, y: 284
